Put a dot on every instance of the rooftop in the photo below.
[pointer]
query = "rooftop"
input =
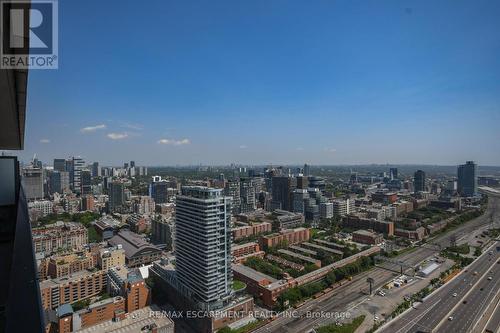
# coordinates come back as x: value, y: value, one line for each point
x: 67, y: 279
x: 241, y: 246
x: 107, y: 222
x: 64, y: 310
x: 299, y: 256
x: 323, y: 248
x: 131, y: 242
x: 252, y: 273
x: 364, y: 233
x: 284, y: 231
x: 134, y: 322
x: 104, y: 302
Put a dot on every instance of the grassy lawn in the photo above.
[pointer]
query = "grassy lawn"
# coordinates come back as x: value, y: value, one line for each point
x: 432, y: 214
x: 463, y: 249
x: 238, y: 285
x: 248, y: 327
x: 345, y: 328
x: 265, y: 267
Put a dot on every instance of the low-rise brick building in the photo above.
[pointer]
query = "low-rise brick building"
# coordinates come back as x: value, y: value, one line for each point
x: 357, y: 222
x: 67, y: 264
x: 417, y: 234
x: 76, y: 287
x: 367, y: 237
x: 241, y: 252
x: 60, y: 235
x: 251, y: 230
x: 289, y: 236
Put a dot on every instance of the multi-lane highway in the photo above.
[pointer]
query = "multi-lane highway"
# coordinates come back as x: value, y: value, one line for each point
x: 350, y: 294
x: 491, y: 321
x: 468, y: 312
x: 457, y: 305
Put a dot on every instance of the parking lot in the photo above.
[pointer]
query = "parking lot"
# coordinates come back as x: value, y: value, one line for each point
x: 376, y: 307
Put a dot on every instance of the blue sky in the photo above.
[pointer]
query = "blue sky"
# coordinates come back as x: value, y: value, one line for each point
x: 324, y: 82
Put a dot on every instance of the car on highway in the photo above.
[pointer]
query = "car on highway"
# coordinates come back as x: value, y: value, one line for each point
x: 454, y: 294
x: 450, y: 318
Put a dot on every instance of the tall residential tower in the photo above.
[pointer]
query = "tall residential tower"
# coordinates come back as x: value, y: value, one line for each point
x: 467, y: 179
x: 419, y: 181
x: 203, y: 245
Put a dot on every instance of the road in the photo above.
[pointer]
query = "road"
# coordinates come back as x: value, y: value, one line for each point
x: 433, y: 313
x: 348, y: 295
x: 466, y: 316
x: 493, y: 322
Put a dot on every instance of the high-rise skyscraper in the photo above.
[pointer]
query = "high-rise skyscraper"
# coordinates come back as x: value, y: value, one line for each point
x: 116, y: 196
x: 307, y: 170
x: 467, y: 179
x: 419, y: 181
x: 282, y: 188
x: 85, y: 182
x: 163, y: 232
x: 60, y: 164
x: 58, y: 182
x: 299, y: 197
x: 203, y: 245
x: 303, y: 182
x: 68, y: 166
x: 96, y: 169
x: 158, y: 190
x: 247, y: 196
x: 393, y: 173
x: 132, y: 164
x: 232, y: 189
x: 32, y: 181
x: 77, y: 166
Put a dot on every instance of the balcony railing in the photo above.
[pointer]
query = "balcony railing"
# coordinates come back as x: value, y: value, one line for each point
x: 20, y: 294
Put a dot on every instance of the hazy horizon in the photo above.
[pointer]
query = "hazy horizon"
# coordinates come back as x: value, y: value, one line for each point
x: 49, y: 162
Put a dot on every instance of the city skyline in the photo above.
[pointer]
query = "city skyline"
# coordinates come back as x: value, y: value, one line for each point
x: 250, y: 167
x: 259, y: 83
x: 120, y: 164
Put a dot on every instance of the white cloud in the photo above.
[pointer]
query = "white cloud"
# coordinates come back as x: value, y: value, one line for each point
x: 174, y: 142
x: 92, y: 128
x: 243, y: 147
x: 117, y: 136
x: 136, y: 127
x: 44, y: 140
